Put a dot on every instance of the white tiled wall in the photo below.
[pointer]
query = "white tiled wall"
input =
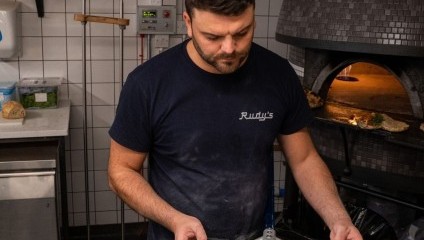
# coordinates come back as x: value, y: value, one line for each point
x: 52, y: 47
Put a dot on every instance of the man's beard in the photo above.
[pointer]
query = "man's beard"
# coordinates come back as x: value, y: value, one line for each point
x: 225, y: 67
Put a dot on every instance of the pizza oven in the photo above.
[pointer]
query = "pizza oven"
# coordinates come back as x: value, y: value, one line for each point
x: 363, y: 56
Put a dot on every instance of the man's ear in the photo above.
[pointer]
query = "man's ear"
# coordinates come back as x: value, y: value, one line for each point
x: 187, y: 21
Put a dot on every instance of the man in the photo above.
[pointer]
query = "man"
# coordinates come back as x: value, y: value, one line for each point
x: 207, y: 112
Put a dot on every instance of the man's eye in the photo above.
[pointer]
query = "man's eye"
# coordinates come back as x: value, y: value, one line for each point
x: 212, y: 38
x: 241, y: 34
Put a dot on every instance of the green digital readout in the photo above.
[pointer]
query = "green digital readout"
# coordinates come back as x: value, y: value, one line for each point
x: 149, y: 14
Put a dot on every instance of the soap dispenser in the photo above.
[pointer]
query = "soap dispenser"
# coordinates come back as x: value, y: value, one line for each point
x: 10, y: 30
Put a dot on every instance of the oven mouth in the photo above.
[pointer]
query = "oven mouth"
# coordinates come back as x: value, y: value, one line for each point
x: 371, y: 87
x: 374, y: 91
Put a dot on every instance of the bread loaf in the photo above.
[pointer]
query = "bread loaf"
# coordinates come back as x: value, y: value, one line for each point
x: 370, y: 120
x: 13, y: 110
x: 393, y: 125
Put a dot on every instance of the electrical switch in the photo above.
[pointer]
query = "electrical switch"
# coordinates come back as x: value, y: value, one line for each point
x: 161, y: 41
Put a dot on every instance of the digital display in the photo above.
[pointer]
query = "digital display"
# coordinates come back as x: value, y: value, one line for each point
x: 149, y: 14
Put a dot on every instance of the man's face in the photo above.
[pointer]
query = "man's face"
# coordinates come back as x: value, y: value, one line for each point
x: 221, y: 43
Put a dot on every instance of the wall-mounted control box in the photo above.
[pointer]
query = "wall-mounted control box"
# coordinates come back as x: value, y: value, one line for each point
x: 156, y: 19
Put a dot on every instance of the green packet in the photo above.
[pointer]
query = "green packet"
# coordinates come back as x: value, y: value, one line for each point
x: 39, y: 92
x: 30, y: 100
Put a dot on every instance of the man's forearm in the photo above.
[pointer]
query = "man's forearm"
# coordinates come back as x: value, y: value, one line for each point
x: 134, y: 190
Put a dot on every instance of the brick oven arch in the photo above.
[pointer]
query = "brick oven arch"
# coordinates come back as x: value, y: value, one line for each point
x: 327, y: 70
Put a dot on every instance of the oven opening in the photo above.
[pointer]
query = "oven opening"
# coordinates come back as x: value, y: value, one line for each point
x: 370, y: 87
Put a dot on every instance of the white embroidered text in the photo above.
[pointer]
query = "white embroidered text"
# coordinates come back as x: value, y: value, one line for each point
x: 260, y: 116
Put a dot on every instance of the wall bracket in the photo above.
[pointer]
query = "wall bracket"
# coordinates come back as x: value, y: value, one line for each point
x: 40, y: 8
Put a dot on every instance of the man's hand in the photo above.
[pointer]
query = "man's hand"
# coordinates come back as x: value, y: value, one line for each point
x: 345, y: 232
x: 188, y: 228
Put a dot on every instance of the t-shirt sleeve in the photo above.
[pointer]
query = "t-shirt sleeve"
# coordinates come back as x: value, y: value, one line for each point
x: 299, y: 114
x: 131, y: 124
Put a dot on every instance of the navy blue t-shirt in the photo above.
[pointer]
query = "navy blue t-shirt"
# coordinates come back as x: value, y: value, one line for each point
x: 210, y: 136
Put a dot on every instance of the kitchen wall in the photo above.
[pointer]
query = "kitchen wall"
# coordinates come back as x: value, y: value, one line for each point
x: 52, y: 47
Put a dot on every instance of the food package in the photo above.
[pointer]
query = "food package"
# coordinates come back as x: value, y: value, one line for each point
x: 7, y: 92
x: 35, y: 93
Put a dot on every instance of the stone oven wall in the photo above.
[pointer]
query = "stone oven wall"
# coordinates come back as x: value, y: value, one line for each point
x: 394, y: 27
x: 369, y: 150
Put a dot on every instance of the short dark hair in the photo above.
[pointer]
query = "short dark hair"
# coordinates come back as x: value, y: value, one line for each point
x: 221, y: 7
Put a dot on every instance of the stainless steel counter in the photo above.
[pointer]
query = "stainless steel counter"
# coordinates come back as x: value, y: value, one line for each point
x: 33, y: 153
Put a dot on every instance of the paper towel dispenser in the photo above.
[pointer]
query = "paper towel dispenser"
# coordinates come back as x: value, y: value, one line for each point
x: 10, y: 29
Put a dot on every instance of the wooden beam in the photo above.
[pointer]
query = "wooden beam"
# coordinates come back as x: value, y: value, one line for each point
x: 108, y: 20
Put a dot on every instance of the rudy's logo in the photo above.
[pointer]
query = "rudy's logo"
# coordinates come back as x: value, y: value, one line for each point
x: 260, y: 116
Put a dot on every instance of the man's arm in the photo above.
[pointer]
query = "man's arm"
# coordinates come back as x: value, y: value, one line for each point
x: 126, y: 181
x: 317, y: 185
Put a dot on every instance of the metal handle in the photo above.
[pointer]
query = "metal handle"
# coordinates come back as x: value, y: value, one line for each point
x: 26, y: 174
x: 27, y: 185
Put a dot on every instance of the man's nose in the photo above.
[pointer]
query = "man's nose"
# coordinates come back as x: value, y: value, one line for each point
x: 228, y: 45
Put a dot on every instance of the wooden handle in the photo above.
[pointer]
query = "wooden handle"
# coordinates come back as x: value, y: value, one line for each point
x: 108, y: 20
